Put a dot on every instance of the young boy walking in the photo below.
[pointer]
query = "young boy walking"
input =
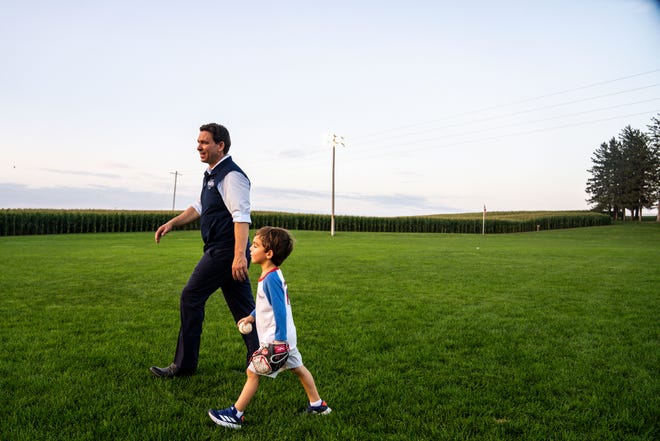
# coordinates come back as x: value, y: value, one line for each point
x: 275, y: 328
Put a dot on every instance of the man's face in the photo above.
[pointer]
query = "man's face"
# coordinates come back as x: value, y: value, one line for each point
x: 209, y: 151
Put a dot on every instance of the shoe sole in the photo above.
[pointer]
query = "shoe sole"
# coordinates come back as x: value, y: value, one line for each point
x: 325, y: 412
x: 224, y: 423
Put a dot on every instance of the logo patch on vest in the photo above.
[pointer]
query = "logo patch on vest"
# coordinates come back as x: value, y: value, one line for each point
x: 210, y: 184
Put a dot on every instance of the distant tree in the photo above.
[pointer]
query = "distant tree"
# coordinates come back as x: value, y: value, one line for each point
x: 654, y: 137
x: 637, y: 166
x: 604, y: 184
x: 626, y: 173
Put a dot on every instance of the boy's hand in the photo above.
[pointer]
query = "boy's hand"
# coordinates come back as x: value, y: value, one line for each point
x: 246, y: 319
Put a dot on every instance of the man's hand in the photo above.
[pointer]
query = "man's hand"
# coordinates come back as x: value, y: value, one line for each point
x: 162, y: 231
x: 239, y: 268
x: 187, y: 216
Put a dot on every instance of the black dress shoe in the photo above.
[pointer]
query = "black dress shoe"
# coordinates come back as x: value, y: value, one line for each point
x: 170, y: 371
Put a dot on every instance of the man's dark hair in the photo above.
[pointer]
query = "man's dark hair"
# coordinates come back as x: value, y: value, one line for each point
x: 220, y: 134
x: 277, y: 240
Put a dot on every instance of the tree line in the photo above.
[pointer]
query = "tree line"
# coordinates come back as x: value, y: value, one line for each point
x: 626, y: 173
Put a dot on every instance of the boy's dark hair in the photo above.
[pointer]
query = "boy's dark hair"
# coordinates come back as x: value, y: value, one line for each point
x: 219, y: 132
x: 277, y: 240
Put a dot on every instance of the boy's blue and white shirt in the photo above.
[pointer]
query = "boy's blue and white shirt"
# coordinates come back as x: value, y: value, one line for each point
x: 273, y: 315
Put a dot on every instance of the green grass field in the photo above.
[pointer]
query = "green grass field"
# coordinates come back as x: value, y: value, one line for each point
x: 550, y: 336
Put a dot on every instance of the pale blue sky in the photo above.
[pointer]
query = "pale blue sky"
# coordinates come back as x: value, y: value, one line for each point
x: 444, y: 106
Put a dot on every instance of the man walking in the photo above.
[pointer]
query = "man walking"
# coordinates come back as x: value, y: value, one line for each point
x: 224, y: 212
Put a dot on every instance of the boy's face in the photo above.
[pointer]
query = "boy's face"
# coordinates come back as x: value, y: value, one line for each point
x: 258, y: 253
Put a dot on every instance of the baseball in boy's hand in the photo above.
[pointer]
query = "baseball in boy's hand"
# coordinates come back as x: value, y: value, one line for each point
x: 245, y: 327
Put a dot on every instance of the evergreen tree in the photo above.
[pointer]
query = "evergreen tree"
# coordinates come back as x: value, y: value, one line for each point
x: 626, y: 173
x: 636, y: 169
x: 654, y: 145
x: 603, y: 184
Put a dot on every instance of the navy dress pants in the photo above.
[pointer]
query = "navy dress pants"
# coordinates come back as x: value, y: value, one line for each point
x: 213, y: 271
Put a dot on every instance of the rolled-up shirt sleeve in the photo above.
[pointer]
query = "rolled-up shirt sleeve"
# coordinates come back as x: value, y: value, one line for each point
x: 235, y: 192
x: 197, y: 205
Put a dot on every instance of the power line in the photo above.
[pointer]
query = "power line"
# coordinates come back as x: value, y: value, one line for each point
x: 472, y: 122
x: 382, y: 148
x: 543, y: 129
x: 473, y: 130
x: 513, y: 103
x: 574, y: 89
x: 405, y: 131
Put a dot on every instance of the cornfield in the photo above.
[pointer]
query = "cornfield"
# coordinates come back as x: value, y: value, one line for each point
x: 15, y: 222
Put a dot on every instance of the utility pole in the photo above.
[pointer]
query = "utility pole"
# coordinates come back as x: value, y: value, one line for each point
x: 176, y: 175
x: 336, y: 140
x: 483, y: 221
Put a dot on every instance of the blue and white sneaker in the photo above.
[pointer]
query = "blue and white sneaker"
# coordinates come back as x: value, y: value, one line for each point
x: 227, y: 417
x: 322, y: 409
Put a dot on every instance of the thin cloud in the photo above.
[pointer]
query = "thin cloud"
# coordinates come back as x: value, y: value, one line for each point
x: 393, y: 203
x: 99, y: 197
x: 82, y: 173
